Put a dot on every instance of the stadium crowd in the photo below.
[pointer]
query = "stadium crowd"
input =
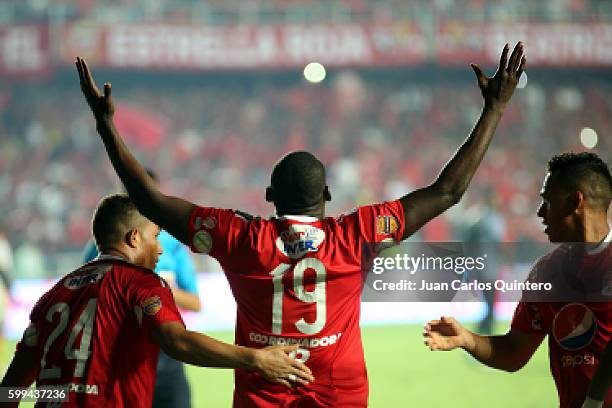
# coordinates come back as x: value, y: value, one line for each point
x: 214, y: 142
x: 303, y: 11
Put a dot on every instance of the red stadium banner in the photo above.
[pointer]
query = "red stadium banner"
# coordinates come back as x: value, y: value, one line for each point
x: 289, y: 46
x: 561, y: 45
x: 184, y: 47
x: 24, y: 50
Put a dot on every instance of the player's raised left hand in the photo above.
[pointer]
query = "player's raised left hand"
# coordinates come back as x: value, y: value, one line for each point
x: 275, y: 365
x: 101, y: 104
x: 498, y: 89
x: 445, y: 334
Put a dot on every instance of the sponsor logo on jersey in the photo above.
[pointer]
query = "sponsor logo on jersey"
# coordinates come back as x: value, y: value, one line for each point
x: 197, y: 223
x: 386, y: 224
x: 152, y: 305
x: 85, y: 276
x: 83, y: 388
x: 300, y: 239
x: 202, y: 242
x: 309, y: 342
x: 574, y: 326
x: 571, y: 360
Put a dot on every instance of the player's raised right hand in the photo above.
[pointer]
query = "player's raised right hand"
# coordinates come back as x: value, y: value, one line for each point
x: 101, y: 104
x: 498, y: 89
x: 444, y: 334
x: 276, y: 366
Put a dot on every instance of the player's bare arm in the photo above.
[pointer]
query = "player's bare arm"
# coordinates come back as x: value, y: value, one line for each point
x: 508, y: 352
x: 273, y: 363
x: 20, y: 373
x: 170, y: 213
x: 424, y: 204
x: 22, y: 370
x: 602, y: 380
x: 186, y: 300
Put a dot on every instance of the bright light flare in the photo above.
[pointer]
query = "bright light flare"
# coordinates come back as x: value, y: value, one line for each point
x: 314, y: 72
x: 588, y: 137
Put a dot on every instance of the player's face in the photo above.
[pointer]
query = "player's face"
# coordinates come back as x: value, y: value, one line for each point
x: 556, y: 211
x: 150, y: 247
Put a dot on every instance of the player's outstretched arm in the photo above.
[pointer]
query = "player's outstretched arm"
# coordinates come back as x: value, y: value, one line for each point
x: 170, y: 213
x: 424, y: 204
x: 602, y: 380
x: 508, y: 352
x: 273, y: 363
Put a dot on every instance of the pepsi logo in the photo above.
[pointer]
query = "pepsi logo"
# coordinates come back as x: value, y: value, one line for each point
x: 574, y: 326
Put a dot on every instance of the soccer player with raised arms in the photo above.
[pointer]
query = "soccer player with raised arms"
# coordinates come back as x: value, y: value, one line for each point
x: 576, y: 195
x: 297, y: 276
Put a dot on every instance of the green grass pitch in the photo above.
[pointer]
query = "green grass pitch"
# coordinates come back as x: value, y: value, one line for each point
x: 404, y: 373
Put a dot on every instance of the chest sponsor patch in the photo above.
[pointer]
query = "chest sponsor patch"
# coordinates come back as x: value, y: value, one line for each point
x: 574, y: 326
x: 299, y: 240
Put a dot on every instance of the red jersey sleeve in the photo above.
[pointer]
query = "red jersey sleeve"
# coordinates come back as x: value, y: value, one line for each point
x: 29, y: 340
x: 527, y: 318
x: 381, y: 222
x: 152, y: 301
x: 216, y: 231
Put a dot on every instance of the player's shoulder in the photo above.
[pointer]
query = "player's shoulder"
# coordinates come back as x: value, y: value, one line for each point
x: 385, y: 216
x: 549, y: 264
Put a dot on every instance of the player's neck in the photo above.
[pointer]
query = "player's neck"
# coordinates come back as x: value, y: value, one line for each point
x: 316, y: 212
x: 595, y: 229
x: 594, y: 233
x: 116, y: 252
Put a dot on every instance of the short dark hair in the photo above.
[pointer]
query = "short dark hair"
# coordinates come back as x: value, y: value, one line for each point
x: 298, y: 181
x: 585, y: 172
x: 115, y: 215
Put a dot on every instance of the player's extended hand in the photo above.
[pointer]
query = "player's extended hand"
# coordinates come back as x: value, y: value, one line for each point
x: 276, y: 366
x: 101, y: 104
x: 498, y: 89
x: 444, y: 334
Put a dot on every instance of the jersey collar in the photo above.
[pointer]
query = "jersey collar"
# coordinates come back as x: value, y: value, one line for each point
x: 299, y: 218
x: 107, y: 257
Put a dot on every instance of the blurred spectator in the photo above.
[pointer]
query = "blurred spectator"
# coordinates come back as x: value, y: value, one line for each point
x: 301, y: 11
x: 484, y: 238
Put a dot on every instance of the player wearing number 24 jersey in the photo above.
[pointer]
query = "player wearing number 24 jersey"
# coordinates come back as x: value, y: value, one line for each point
x: 99, y: 329
x: 297, y: 277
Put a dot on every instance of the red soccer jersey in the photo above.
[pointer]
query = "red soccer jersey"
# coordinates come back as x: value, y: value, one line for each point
x: 577, y: 331
x: 298, y: 279
x: 91, y: 331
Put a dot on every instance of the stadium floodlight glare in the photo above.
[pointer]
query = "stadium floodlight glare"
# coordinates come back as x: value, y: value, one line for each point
x: 588, y: 137
x: 522, y: 81
x: 314, y: 72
